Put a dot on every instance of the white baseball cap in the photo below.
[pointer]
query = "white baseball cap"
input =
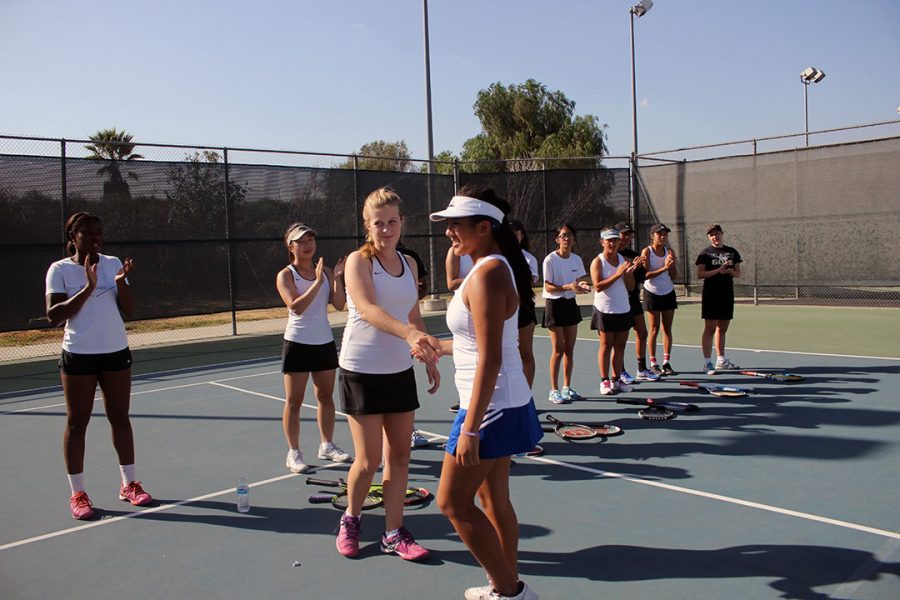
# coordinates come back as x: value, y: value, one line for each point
x: 299, y: 231
x: 463, y: 206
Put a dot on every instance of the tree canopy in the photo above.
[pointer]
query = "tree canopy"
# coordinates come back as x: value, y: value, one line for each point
x: 113, y: 145
x: 528, y: 122
x: 381, y: 156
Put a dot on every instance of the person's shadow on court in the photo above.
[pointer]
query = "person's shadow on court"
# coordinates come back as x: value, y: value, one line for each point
x: 795, y: 570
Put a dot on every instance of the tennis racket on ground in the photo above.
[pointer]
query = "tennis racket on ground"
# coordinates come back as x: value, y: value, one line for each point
x: 582, y: 431
x: 374, y: 498
x: 774, y: 376
x: 656, y: 413
x: 726, y: 391
x: 666, y: 404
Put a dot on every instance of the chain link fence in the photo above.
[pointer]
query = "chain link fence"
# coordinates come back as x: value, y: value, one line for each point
x: 205, y: 224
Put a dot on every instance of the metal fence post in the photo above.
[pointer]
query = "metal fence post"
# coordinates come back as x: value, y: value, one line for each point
x: 232, y: 283
x: 64, y: 204
x: 356, y: 208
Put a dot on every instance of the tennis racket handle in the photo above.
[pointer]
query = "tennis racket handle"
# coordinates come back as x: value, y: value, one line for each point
x: 323, y: 482
x: 320, y: 498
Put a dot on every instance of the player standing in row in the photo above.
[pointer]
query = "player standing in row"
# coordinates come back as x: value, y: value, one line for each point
x: 717, y: 266
x: 659, y: 295
x: 378, y: 385
x: 497, y: 417
x: 307, y: 289
x: 563, y: 270
x: 613, y: 277
x: 626, y: 234
x: 87, y: 291
x: 527, y: 316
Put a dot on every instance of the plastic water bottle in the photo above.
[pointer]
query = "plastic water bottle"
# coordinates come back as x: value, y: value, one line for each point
x: 243, y: 495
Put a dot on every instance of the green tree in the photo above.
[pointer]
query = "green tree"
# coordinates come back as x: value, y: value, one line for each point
x: 521, y: 124
x: 113, y: 146
x: 381, y: 156
x: 197, y: 197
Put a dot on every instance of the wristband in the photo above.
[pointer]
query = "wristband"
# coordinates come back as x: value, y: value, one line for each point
x: 470, y: 433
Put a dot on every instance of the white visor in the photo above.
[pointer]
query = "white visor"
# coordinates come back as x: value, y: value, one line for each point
x: 463, y: 206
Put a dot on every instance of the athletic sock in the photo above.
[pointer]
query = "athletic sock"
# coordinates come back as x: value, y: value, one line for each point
x: 720, y: 359
x: 653, y: 361
x: 666, y: 358
x: 642, y: 364
x: 391, y: 533
x: 76, y: 482
x: 127, y: 473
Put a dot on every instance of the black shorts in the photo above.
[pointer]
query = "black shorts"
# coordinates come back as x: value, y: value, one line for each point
x: 717, y: 307
x: 561, y: 312
x: 94, y: 364
x: 611, y: 323
x: 377, y: 393
x: 656, y: 303
x: 308, y: 358
x: 526, y: 317
x: 634, y: 302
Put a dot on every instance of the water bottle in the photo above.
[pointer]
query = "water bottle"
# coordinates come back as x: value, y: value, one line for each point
x: 243, y: 495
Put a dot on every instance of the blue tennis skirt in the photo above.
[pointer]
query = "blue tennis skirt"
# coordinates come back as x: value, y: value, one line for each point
x: 503, y: 432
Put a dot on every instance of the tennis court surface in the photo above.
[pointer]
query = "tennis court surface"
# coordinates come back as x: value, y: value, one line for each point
x: 790, y: 492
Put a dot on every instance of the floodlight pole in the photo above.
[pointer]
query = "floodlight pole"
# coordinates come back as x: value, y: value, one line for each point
x: 807, y: 76
x: 434, y: 300
x: 805, y: 109
x: 638, y: 10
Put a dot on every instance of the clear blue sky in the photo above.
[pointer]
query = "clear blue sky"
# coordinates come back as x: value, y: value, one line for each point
x: 329, y: 76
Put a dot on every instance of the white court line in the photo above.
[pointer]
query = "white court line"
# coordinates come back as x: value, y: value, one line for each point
x: 137, y: 513
x: 891, y: 535
x: 758, y: 350
x: 142, y: 392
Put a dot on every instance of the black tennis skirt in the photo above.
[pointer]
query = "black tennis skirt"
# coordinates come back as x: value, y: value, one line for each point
x: 561, y: 312
x: 378, y: 393
x: 308, y: 358
x: 611, y: 323
x: 656, y: 303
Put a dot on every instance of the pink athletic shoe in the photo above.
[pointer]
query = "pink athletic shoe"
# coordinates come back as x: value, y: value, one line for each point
x: 403, y: 545
x: 81, y: 506
x: 348, y: 536
x: 134, y: 493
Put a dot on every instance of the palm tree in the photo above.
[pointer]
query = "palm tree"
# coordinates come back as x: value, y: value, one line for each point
x: 114, y: 146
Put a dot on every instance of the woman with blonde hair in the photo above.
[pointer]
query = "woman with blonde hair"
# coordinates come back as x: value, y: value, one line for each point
x: 377, y: 382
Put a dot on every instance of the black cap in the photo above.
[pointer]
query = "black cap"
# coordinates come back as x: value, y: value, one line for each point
x: 624, y: 227
x: 659, y: 227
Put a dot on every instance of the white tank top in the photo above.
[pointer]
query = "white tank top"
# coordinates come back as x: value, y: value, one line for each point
x: 311, y: 326
x: 614, y: 299
x: 365, y: 349
x: 511, y: 389
x: 465, y: 265
x: 662, y: 283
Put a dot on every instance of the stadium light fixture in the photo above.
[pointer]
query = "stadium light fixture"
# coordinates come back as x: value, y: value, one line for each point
x: 638, y: 10
x: 807, y: 76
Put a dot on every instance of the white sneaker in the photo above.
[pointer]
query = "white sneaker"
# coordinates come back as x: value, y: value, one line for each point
x: 525, y: 594
x: 709, y: 368
x: 622, y: 386
x: 606, y: 388
x: 418, y: 440
x: 624, y: 377
x: 328, y: 451
x: 294, y: 462
x: 726, y: 365
x: 479, y: 593
x: 647, y: 375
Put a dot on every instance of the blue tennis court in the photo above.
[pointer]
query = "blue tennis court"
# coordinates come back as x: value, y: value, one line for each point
x: 787, y: 493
